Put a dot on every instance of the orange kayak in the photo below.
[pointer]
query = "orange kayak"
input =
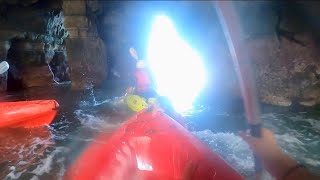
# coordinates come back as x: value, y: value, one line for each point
x: 27, y: 114
x: 150, y: 146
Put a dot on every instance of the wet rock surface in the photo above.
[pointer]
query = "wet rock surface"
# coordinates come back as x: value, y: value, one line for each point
x: 39, y: 20
x: 87, y: 58
x: 32, y: 32
x: 282, y: 42
x: 286, y: 72
x: 36, y: 76
x: 86, y: 52
x: 59, y: 67
x: 26, y: 57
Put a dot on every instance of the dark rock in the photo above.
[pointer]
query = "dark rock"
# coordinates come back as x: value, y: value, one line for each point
x: 36, y: 76
x: 87, y: 61
x: 25, y: 54
x: 35, y: 29
x: 39, y: 21
x: 281, y: 39
x: 285, y: 72
x: 4, y: 47
x: 59, y: 67
x: 86, y: 52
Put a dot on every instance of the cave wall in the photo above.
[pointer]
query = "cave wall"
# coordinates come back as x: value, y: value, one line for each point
x: 282, y: 40
x: 31, y: 32
x: 86, y: 52
x: 47, y: 42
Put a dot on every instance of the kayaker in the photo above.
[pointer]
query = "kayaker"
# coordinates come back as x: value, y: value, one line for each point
x: 142, y: 84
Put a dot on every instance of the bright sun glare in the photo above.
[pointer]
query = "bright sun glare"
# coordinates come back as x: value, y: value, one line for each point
x: 178, y: 69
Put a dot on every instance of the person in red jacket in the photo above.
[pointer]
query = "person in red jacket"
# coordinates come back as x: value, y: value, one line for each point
x: 143, y: 83
x: 144, y: 87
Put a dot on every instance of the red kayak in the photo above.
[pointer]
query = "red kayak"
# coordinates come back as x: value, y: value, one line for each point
x: 27, y: 114
x: 150, y: 145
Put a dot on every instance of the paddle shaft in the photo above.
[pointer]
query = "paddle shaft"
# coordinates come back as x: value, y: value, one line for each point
x: 230, y: 23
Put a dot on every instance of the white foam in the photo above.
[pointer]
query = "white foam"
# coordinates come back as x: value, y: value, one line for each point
x: 62, y: 169
x: 297, y: 143
x: 46, y: 163
x: 314, y: 123
x: 298, y: 136
x: 89, y: 120
x: 102, y: 102
x: 84, y: 103
x: 45, y: 167
x: 22, y: 163
x: 290, y: 139
x: 231, y: 148
x: 14, y: 175
x: 95, y: 122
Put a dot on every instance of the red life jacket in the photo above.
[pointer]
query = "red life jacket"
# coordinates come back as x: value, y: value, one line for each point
x: 143, y: 82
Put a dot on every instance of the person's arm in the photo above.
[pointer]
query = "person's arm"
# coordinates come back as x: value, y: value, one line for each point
x: 132, y: 84
x: 132, y: 80
x: 278, y: 164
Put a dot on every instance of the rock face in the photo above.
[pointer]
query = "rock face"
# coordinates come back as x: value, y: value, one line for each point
x: 87, y: 58
x: 286, y: 72
x: 37, y: 56
x: 116, y: 31
x: 286, y: 54
x: 31, y: 32
x: 33, y: 36
x: 86, y: 52
x: 43, y: 76
x: 59, y: 67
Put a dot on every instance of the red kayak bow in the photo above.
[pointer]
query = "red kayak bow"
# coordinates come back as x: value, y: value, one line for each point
x: 150, y: 145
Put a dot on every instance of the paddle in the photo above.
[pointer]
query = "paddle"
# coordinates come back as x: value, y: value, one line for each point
x: 231, y: 27
x: 134, y: 53
x: 4, y: 66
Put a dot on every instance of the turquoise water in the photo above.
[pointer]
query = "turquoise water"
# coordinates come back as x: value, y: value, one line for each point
x: 297, y: 134
x: 45, y: 153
